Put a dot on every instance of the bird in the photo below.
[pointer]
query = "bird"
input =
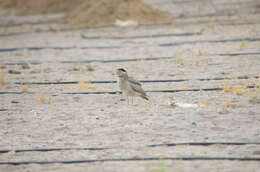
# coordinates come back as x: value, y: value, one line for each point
x: 129, y: 86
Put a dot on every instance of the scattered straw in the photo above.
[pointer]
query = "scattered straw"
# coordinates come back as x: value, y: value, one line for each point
x: 254, y: 94
x: 23, y: 88
x: 243, y: 45
x: 2, y: 80
x: 108, y: 114
x: 41, y: 98
x: 201, y: 53
x: 183, y: 87
x: 179, y: 59
x: 152, y: 104
x: 49, y: 100
x: 239, y: 89
x: 227, y: 104
x: 223, y: 48
x: 202, y: 103
x: 83, y: 85
x: 69, y: 87
x: 105, y: 89
x: 196, y: 38
x: 226, y: 87
x: 210, y: 27
x: 156, y: 167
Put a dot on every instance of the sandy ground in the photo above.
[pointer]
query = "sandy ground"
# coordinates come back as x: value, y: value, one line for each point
x: 200, y: 44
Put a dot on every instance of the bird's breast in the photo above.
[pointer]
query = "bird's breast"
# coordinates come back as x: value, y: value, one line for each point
x: 122, y: 83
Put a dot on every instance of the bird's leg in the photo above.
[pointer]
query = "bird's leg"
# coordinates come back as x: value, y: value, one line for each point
x: 122, y: 96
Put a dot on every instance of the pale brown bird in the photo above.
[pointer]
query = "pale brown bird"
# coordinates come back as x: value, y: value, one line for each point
x: 129, y: 86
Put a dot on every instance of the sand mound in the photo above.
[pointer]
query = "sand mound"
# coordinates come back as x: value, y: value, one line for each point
x: 105, y: 12
x: 91, y: 13
x: 23, y: 7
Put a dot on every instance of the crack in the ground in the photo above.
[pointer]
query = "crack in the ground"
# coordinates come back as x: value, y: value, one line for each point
x: 143, y: 81
x: 35, y: 62
x: 202, y: 158
x: 118, y: 92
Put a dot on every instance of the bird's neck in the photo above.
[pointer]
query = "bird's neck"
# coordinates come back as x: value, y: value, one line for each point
x: 124, y: 77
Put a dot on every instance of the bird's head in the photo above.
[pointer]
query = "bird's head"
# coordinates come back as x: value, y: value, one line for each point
x: 121, y: 72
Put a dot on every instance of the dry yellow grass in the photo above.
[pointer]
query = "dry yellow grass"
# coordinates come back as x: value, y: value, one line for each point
x: 83, y: 85
x: 200, y: 53
x: 49, y: 100
x: 254, y: 94
x: 69, y: 87
x: 41, y: 98
x: 210, y: 27
x: 101, y: 99
x: 238, y: 89
x: 256, y: 91
x: 227, y: 104
x: 183, y: 87
x: 223, y: 48
x: 23, y: 88
x: 2, y: 80
x: 196, y: 38
x: 105, y: 89
x: 243, y: 45
x: 226, y: 87
x: 108, y: 114
x: 203, y: 103
x: 178, y: 59
x: 158, y: 167
x: 149, y: 105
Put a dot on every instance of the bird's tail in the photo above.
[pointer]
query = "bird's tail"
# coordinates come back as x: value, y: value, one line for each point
x: 144, y: 96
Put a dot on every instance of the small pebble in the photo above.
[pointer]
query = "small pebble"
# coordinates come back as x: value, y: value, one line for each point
x: 35, y: 71
x: 90, y: 68
x: 25, y: 66
x: 194, y: 123
x: 11, y: 71
x: 256, y: 152
x: 2, y: 67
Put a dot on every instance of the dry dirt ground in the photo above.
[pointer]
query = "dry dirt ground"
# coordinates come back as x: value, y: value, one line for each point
x: 207, y: 43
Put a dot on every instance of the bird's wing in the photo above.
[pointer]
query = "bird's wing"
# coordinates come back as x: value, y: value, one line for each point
x: 137, y: 88
x: 134, y: 81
